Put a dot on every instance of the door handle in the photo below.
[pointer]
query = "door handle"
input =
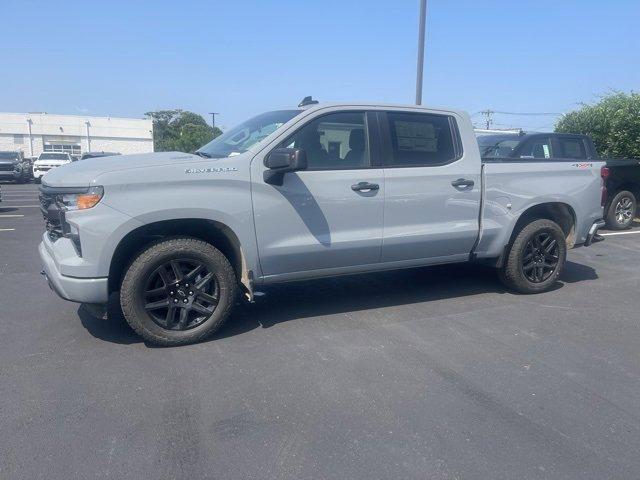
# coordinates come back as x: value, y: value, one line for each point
x: 364, y: 187
x: 462, y: 182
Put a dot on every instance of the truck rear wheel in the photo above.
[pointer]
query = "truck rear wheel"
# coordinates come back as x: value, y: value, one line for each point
x: 178, y: 291
x: 621, y: 210
x: 536, y: 257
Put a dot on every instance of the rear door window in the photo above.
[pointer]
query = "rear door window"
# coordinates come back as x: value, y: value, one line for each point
x: 539, y: 147
x: 572, y: 148
x: 420, y: 140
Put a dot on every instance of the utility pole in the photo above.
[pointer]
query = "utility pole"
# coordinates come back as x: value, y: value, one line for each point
x: 213, y: 118
x: 488, y: 117
x: 423, y: 21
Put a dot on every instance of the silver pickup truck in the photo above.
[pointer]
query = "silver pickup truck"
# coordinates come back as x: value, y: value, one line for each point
x: 318, y: 190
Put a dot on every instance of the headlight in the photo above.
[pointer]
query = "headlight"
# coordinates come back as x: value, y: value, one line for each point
x: 82, y: 201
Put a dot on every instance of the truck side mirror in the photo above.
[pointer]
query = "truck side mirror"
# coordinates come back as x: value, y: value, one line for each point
x: 281, y: 161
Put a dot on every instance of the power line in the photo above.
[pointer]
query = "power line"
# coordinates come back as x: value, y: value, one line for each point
x: 213, y: 118
x: 527, y: 113
x: 488, y: 120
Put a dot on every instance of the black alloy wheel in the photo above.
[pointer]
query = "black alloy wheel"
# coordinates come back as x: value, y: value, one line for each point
x: 536, y: 257
x: 181, y: 294
x: 540, y: 257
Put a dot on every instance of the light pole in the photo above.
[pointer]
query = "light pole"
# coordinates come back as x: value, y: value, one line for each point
x: 88, y: 136
x: 423, y: 20
x: 29, y: 123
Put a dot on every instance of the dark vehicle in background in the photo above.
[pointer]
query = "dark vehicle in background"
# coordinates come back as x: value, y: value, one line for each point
x: 98, y: 154
x: 13, y: 166
x: 621, y: 177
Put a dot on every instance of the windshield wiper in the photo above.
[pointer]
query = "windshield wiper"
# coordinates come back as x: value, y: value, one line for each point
x: 202, y: 154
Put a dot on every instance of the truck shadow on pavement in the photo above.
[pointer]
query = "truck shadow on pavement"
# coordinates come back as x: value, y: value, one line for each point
x: 348, y: 294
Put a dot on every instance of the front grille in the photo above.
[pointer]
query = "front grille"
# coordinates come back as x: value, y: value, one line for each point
x: 52, y: 215
x: 6, y: 167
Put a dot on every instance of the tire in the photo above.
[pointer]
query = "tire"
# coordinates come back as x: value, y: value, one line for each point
x: 621, y: 210
x: 156, y: 325
x: 516, y: 272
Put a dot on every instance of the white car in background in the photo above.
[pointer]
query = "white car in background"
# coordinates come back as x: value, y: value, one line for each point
x: 48, y: 160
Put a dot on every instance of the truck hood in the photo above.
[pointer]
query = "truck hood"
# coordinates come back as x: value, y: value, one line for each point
x: 85, y: 172
x: 52, y: 162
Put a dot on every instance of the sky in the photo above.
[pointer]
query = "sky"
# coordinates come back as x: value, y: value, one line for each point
x: 239, y: 58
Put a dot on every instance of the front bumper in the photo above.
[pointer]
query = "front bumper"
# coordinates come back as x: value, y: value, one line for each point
x: 81, y: 290
x: 593, y: 236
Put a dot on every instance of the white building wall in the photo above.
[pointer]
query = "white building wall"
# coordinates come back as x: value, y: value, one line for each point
x: 124, y: 146
x: 123, y: 135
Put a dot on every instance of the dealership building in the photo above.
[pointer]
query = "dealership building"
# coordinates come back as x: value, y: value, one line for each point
x: 33, y: 133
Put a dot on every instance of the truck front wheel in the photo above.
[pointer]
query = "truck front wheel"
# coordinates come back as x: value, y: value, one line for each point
x: 178, y: 291
x: 536, y: 257
x: 621, y: 210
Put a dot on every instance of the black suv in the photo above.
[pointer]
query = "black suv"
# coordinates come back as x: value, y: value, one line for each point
x: 13, y: 166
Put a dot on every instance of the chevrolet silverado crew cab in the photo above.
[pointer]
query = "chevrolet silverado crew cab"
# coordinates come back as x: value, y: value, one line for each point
x: 307, y: 192
x: 621, y: 193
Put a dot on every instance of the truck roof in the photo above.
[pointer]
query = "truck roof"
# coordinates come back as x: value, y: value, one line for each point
x: 527, y: 135
x: 322, y: 105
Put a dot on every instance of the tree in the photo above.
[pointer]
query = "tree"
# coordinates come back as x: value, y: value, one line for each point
x: 613, y: 123
x: 180, y: 130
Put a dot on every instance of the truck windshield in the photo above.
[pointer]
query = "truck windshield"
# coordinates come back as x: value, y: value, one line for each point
x: 53, y: 156
x: 9, y: 155
x: 244, y: 136
x: 498, y: 145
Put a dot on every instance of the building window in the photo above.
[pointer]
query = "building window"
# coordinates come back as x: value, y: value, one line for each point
x: 18, y: 139
x: 73, y: 149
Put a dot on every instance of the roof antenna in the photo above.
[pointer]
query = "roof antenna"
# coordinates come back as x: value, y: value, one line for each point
x: 307, y: 101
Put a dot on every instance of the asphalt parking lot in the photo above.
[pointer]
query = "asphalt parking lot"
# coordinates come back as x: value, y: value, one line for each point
x: 433, y: 373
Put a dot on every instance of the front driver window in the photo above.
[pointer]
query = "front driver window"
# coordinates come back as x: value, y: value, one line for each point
x: 334, y: 141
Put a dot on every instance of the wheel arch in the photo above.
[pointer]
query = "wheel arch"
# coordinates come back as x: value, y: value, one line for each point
x: 216, y: 233
x: 628, y: 186
x: 559, y: 212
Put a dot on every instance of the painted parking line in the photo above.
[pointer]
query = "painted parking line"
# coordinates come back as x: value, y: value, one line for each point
x: 619, y: 233
x: 19, y: 206
x: 7, y: 229
x: 10, y: 216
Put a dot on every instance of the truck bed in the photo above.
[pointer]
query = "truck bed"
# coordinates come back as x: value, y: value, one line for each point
x: 512, y: 186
